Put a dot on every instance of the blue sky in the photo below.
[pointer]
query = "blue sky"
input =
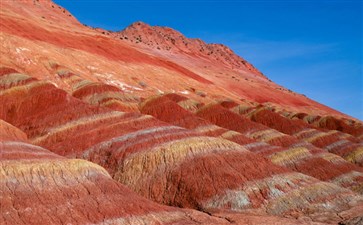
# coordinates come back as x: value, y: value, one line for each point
x: 313, y: 47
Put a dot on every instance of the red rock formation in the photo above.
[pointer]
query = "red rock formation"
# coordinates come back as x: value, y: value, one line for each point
x: 227, y: 119
x: 41, y: 40
x: 306, y: 159
x: 40, y: 187
x: 11, y: 133
x: 349, y: 126
x: 97, y: 93
x: 167, y: 39
x: 156, y: 159
x: 332, y: 123
x: 60, y: 82
x: 342, y: 144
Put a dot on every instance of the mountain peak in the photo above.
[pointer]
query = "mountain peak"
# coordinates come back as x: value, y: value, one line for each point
x: 170, y: 40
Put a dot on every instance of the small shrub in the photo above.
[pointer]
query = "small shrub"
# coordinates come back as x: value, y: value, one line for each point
x: 201, y: 94
x: 142, y: 84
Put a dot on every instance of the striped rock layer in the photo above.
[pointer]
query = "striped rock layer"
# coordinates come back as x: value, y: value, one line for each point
x: 299, y: 157
x: 146, y: 126
x: 343, y: 144
x: 97, y: 93
x: 156, y: 159
x: 40, y: 187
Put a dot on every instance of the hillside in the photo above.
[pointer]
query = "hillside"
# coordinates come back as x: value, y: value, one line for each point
x: 147, y: 126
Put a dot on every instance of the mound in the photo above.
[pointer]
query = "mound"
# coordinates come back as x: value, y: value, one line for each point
x: 40, y: 187
x: 156, y: 160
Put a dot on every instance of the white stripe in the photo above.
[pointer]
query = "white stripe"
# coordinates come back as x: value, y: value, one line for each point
x: 75, y: 123
x: 134, y: 135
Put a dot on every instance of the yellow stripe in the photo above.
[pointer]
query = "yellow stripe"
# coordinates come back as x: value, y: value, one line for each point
x: 317, y: 136
x: 35, y: 171
x: 207, y: 128
x: 189, y: 104
x: 303, y: 132
x: 142, y: 165
x: 95, y: 98
x: 74, y: 123
x: 23, y: 88
x: 81, y: 84
x: 266, y: 135
x: 230, y: 134
x: 331, y: 157
x: 356, y: 156
x: 291, y: 155
x: 11, y: 78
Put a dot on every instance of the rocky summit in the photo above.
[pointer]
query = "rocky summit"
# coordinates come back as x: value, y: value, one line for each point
x: 147, y: 126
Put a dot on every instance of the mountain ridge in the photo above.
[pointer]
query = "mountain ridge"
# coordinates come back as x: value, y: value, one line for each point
x: 241, y: 84
x: 168, y: 39
x: 95, y: 129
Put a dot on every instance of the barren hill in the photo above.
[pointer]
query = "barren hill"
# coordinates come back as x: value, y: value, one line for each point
x: 147, y: 126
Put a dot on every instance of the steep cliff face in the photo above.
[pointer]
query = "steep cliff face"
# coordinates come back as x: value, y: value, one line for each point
x: 125, y: 127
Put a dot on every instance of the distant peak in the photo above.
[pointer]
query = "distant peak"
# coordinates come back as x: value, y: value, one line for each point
x: 145, y: 28
x: 139, y: 23
x: 167, y: 39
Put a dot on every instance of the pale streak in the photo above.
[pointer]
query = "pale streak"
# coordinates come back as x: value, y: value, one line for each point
x: 78, y: 122
x: 127, y: 137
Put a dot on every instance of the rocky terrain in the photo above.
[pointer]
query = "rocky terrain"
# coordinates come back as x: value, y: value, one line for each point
x: 147, y: 126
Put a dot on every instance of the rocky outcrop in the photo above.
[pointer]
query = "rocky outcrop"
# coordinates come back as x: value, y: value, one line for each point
x: 167, y: 39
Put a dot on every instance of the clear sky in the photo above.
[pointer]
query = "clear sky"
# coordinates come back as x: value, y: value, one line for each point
x: 313, y: 47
